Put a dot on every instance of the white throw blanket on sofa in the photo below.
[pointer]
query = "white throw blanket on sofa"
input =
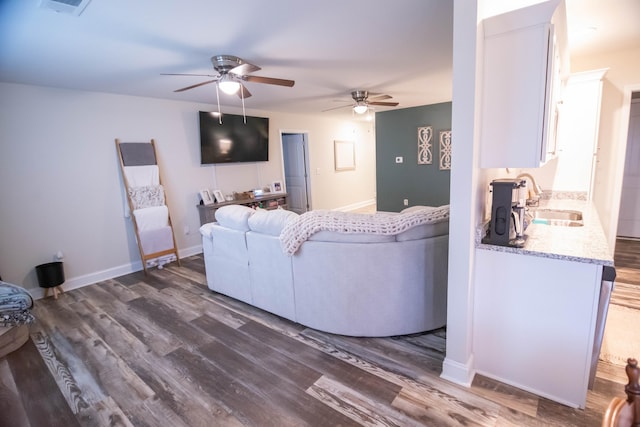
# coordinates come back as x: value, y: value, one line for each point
x: 296, y: 232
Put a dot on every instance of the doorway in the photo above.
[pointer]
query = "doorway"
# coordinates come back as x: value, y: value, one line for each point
x: 629, y: 216
x: 295, y: 149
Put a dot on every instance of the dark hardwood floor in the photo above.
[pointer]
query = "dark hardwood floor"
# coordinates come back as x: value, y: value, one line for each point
x: 627, y: 260
x: 164, y: 350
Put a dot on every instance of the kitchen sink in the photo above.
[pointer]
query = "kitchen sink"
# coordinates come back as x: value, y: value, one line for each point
x: 565, y: 218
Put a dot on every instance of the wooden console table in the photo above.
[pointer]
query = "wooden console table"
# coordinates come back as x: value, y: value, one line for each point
x: 267, y: 201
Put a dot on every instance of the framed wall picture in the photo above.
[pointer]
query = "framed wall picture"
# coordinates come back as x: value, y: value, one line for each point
x: 276, y: 187
x: 345, y: 155
x: 219, y: 196
x: 205, y: 195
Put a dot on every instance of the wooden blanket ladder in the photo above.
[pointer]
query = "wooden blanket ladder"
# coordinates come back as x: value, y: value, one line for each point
x: 147, y: 202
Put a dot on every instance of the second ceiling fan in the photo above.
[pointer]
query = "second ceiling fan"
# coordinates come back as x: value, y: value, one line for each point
x: 362, y: 101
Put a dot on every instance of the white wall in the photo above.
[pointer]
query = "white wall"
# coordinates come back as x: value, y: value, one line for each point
x: 61, y: 188
x: 469, y: 183
x: 624, y: 71
x: 467, y: 53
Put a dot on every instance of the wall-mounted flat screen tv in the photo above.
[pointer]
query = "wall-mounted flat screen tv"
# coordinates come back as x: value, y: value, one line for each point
x: 234, y: 140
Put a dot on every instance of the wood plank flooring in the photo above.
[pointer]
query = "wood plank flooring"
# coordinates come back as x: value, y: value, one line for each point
x: 627, y: 261
x: 164, y: 350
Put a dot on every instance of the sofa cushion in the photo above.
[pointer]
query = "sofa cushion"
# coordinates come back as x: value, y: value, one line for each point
x: 418, y: 208
x: 205, y: 229
x: 334, y: 236
x: 235, y: 217
x: 424, y: 231
x: 270, y: 222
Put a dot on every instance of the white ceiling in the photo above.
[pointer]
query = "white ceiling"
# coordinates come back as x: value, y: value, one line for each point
x: 399, y: 47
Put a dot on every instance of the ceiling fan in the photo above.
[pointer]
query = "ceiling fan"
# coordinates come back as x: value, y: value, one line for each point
x: 232, y: 72
x: 362, y: 101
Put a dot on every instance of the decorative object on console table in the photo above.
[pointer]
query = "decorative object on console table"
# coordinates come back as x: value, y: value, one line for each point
x: 243, y: 195
x: 205, y: 195
x: 219, y: 196
x: 276, y: 187
x: 269, y: 201
x: 425, y: 153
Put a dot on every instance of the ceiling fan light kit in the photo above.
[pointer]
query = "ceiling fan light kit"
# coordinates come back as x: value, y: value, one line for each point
x: 228, y: 85
x: 360, y: 107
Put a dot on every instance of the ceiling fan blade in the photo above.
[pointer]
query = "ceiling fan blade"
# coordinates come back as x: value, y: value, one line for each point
x: 379, y: 97
x: 337, y: 108
x: 196, y: 85
x: 245, y: 68
x: 243, y: 92
x: 385, y: 104
x: 269, y: 80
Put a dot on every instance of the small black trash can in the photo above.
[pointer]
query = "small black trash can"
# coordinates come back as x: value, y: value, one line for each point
x: 50, y: 275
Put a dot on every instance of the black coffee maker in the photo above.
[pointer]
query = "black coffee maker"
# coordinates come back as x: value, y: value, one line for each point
x: 507, y: 213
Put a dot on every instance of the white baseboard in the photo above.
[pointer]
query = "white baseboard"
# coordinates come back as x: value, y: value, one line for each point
x: 357, y: 205
x: 458, y: 373
x: 110, y: 273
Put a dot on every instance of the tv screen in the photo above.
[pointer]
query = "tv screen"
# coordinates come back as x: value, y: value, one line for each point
x: 233, y: 140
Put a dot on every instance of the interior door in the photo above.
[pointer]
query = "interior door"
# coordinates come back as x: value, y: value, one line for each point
x: 294, y: 155
x: 629, y: 218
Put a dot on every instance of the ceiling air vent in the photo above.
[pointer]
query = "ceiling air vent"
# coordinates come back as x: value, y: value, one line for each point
x: 72, y: 7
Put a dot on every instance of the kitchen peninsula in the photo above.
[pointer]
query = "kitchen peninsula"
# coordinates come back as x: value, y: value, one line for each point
x: 536, y: 309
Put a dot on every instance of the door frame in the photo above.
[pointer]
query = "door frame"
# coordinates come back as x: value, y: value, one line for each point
x: 620, y: 157
x: 307, y: 162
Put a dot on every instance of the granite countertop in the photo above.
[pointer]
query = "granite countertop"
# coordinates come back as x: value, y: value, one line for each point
x: 586, y: 244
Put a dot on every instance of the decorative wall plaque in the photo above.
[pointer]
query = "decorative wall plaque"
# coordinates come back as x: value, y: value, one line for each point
x: 445, y: 150
x: 425, y: 154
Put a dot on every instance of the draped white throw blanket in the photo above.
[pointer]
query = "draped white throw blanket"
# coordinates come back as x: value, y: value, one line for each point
x: 152, y: 218
x: 141, y: 176
x: 150, y: 211
x: 147, y: 196
x: 296, y: 232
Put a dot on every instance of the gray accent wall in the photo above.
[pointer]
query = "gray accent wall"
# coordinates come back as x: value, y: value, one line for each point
x: 397, y: 136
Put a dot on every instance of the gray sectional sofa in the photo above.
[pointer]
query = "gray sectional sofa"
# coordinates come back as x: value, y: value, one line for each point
x: 350, y: 274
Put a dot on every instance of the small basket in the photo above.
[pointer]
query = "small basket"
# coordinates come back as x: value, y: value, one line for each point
x: 50, y: 275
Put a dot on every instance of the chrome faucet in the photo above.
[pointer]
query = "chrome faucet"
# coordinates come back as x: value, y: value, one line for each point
x: 535, y: 189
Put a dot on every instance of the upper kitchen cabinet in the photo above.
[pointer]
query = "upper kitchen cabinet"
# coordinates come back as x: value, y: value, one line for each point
x: 525, y: 61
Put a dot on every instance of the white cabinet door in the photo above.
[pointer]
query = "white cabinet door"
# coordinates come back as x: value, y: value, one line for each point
x: 295, y: 172
x: 522, y: 66
x: 578, y: 136
x: 534, y: 321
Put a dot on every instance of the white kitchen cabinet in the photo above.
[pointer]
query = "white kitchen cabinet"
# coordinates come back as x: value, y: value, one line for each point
x: 524, y: 62
x: 534, y: 322
x: 578, y: 132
